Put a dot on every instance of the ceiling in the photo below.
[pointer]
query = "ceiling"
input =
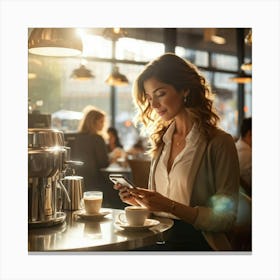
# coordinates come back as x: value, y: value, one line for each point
x: 192, y: 38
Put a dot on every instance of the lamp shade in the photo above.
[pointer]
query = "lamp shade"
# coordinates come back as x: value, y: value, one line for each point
x: 248, y: 38
x: 116, y: 78
x: 114, y: 33
x: 246, y: 66
x: 82, y: 73
x: 55, y: 42
x: 242, y: 78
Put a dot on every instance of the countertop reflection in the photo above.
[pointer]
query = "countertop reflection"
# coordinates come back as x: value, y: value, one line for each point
x: 77, y: 234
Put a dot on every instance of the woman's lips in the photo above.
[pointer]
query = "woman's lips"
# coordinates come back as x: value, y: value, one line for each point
x: 161, y: 113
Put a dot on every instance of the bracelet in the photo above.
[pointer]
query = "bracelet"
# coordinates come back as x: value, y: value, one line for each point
x: 172, y: 207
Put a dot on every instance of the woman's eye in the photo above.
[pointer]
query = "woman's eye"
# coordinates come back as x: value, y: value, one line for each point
x: 160, y: 93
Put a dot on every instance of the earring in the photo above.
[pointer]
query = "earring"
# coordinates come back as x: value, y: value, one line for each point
x: 187, y: 101
x: 186, y: 98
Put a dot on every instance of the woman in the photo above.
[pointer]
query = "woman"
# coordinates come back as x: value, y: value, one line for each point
x: 115, y: 148
x: 194, y: 176
x: 90, y: 147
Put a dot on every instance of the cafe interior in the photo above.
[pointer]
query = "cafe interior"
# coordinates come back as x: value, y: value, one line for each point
x: 72, y: 69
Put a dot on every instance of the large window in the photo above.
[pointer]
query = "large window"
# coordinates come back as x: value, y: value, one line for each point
x: 52, y: 90
x: 225, y: 91
x: 199, y: 58
x: 225, y: 62
x: 138, y: 50
x: 65, y: 97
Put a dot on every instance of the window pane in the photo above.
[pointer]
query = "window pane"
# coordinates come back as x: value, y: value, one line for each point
x: 96, y: 46
x: 61, y: 93
x: 125, y: 110
x: 248, y: 100
x: 226, y: 62
x: 75, y: 94
x: 226, y: 102
x: 199, y: 58
x: 138, y: 50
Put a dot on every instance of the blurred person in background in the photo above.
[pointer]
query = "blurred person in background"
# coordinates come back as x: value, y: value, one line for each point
x: 194, y: 175
x: 244, y: 150
x: 89, y: 147
x: 138, y: 149
x: 115, y: 148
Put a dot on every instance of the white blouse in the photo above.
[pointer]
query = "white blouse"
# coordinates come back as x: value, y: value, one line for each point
x: 175, y: 183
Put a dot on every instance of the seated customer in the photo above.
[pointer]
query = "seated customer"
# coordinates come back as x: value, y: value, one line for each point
x: 244, y: 150
x: 138, y: 150
x: 90, y: 147
x: 115, y: 148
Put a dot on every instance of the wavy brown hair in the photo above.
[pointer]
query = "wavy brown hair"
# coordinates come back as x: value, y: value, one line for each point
x: 182, y: 75
x: 88, y: 123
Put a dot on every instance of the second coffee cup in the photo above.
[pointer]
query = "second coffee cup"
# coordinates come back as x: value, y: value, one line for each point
x: 92, y: 201
x: 135, y: 215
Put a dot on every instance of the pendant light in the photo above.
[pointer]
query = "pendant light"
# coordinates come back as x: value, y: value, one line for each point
x: 247, y: 66
x: 248, y: 41
x: 248, y: 38
x: 82, y: 73
x: 114, y: 33
x: 242, y: 78
x: 210, y: 35
x: 116, y: 78
x: 55, y: 42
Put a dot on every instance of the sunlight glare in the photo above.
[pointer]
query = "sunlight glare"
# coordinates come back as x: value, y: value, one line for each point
x: 96, y: 46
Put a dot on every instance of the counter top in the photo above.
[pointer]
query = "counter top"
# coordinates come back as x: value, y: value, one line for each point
x: 79, y: 234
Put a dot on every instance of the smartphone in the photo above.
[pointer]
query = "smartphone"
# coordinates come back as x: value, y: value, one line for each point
x: 119, y: 178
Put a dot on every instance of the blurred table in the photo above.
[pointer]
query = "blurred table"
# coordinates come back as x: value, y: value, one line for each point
x: 77, y: 235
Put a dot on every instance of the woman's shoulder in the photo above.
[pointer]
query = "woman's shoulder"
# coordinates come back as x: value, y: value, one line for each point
x: 219, y: 132
x: 218, y: 135
x: 91, y: 137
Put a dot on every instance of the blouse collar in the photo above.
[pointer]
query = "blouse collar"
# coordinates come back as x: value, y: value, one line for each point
x: 191, y: 137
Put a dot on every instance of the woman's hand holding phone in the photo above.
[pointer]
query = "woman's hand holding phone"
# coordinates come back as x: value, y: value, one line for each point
x: 123, y: 185
x: 125, y: 195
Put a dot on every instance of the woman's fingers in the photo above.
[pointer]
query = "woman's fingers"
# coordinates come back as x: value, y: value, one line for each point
x: 140, y: 191
x: 118, y: 186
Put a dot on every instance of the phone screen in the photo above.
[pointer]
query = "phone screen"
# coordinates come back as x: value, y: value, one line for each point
x: 118, y: 178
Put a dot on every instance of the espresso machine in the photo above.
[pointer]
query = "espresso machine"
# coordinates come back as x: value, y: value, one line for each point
x: 48, y: 162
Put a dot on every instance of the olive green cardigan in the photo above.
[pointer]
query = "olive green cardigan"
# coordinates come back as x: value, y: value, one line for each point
x: 214, y: 183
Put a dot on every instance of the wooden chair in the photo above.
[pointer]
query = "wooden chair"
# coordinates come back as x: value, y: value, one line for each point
x: 241, y: 234
x: 140, y: 169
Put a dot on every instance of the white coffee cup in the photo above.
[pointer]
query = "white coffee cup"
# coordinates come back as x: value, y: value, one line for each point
x: 92, y: 201
x: 135, y: 215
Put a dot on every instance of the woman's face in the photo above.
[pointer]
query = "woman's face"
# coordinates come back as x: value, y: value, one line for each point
x: 112, y: 138
x: 164, y: 99
x: 100, y: 124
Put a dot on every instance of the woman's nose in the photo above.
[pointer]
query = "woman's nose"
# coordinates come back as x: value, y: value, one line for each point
x: 154, y: 103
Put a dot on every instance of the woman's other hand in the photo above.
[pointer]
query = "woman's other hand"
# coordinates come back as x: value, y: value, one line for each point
x: 153, y: 200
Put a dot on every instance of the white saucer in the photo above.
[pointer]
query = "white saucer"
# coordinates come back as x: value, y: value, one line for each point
x: 83, y: 214
x: 148, y: 224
